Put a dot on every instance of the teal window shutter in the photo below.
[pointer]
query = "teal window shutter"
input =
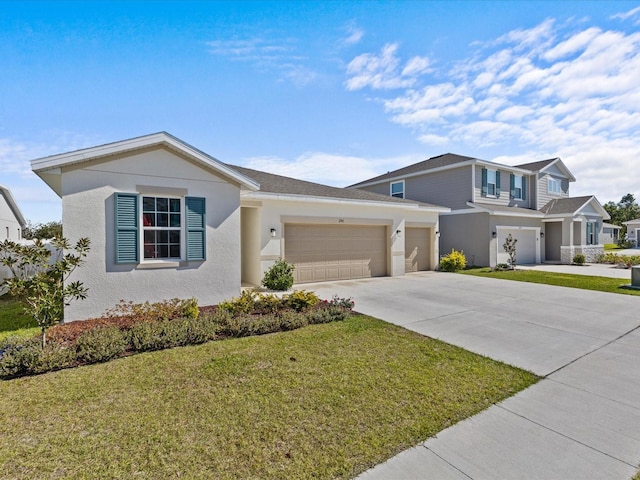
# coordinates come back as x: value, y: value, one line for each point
x: 596, y: 231
x: 512, y: 193
x: 524, y: 187
x: 196, y: 228
x: 498, y: 184
x: 126, y: 212
x: 484, y: 182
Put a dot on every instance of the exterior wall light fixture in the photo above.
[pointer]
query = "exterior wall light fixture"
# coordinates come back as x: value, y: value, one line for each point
x: 494, y: 234
x: 273, y: 232
x: 399, y: 233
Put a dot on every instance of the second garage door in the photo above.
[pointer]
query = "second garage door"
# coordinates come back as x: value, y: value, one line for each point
x: 417, y: 251
x: 526, y: 247
x: 335, y: 252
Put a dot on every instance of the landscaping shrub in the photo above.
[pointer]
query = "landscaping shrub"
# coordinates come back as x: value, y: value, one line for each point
x: 301, y: 300
x: 326, y: 313
x: 164, y: 310
x: 268, y: 303
x: 291, y: 320
x: 624, y: 243
x: 245, y: 303
x: 202, y: 329
x: 279, y: 276
x: 247, y: 325
x: 453, y: 262
x: 579, y: 259
x: 24, y: 357
x: 147, y: 336
x: 101, y: 344
x: 502, y: 267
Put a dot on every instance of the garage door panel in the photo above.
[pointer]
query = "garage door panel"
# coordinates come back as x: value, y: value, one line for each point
x: 417, y: 249
x: 526, y: 247
x: 335, y: 252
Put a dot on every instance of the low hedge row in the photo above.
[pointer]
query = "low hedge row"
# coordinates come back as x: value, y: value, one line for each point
x: 106, y: 341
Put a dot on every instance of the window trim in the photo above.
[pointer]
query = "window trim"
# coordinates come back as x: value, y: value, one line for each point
x: 162, y: 260
x: 554, y: 181
x: 396, y: 194
x: 515, y: 195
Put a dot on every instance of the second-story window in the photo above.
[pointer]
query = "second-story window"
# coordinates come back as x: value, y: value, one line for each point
x: 554, y: 185
x: 491, y: 183
x: 518, y: 184
x: 397, y: 189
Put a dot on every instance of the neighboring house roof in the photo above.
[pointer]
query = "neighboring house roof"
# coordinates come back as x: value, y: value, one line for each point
x: 48, y: 168
x: 4, y: 191
x: 278, y: 184
x: 429, y: 164
x: 637, y: 220
x: 542, y: 165
x: 572, y: 206
x: 506, y: 210
x: 611, y: 225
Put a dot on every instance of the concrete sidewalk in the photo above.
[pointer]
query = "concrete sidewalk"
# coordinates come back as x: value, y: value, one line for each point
x: 582, y: 421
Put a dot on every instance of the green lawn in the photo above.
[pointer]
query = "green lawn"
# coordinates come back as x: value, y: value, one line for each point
x: 324, y: 401
x: 601, y: 284
x: 612, y: 246
x: 13, y: 320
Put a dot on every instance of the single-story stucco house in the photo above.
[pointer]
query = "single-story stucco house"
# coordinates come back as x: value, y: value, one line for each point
x: 167, y: 220
x: 610, y: 233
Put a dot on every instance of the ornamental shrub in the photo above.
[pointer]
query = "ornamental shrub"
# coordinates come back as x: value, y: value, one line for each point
x: 245, y: 303
x: 27, y: 357
x: 101, y: 344
x: 453, y: 262
x: 279, y: 276
x: 158, y: 335
x: 301, y: 300
x: 325, y: 312
x: 164, y: 310
x: 579, y: 259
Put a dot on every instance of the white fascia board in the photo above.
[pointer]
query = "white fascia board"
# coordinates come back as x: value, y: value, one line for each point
x: 500, y: 166
x: 337, y: 201
x: 594, y: 201
x: 562, y: 167
x: 162, y: 138
x: 13, y: 206
x: 464, y: 211
x: 417, y: 174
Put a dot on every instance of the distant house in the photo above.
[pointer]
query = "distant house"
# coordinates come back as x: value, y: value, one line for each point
x: 490, y: 201
x: 12, y: 223
x: 610, y: 233
x: 633, y: 231
x: 167, y: 220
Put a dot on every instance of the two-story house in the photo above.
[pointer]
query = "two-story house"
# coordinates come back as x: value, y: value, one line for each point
x: 490, y: 201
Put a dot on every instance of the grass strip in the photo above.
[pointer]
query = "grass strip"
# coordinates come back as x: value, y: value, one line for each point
x: 14, y: 321
x: 600, y: 284
x: 325, y: 401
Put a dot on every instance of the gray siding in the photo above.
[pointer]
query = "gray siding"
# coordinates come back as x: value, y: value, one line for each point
x: 544, y: 196
x: 449, y: 188
x: 505, y: 190
x: 469, y: 233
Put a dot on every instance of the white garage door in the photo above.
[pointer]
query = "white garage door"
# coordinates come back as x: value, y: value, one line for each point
x: 525, y: 248
x: 417, y: 250
x: 335, y: 252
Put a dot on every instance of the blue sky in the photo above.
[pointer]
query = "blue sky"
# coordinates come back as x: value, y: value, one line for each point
x: 333, y: 92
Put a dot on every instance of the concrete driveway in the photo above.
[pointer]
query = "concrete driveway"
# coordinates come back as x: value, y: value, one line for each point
x: 581, y: 421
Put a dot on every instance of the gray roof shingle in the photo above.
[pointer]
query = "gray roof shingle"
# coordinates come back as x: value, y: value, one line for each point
x: 561, y: 206
x: 271, y: 183
x: 429, y: 164
x: 536, y: 166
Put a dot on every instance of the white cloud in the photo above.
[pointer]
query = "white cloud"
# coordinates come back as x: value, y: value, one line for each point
x: 276, y: 55
x: 329, y: 168
x: 568, y: 90
x: 383, y: 71
x: 625, y: 15
x: 354, y: 35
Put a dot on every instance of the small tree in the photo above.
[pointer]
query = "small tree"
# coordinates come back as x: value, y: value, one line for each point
x: 40, y: 277
x: 510, y: 247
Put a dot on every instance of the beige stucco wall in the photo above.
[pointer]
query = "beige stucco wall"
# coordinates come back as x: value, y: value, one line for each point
x: 9, y: 226
x: 88, y: 210
x: 275, y: 213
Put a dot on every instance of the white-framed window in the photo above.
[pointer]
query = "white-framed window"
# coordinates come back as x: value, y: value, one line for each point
x: 554, y: 185
x: 159, y: 228
x: 162, y: 227
x: 592, y: 233
x: 397, y: 189
x: 517, y: 187
x: 491, y: 183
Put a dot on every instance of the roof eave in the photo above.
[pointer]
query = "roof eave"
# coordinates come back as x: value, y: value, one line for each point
x: 14, y: 206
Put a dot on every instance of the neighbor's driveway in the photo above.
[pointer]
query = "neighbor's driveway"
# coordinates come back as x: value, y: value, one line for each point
x: 582, y: 421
